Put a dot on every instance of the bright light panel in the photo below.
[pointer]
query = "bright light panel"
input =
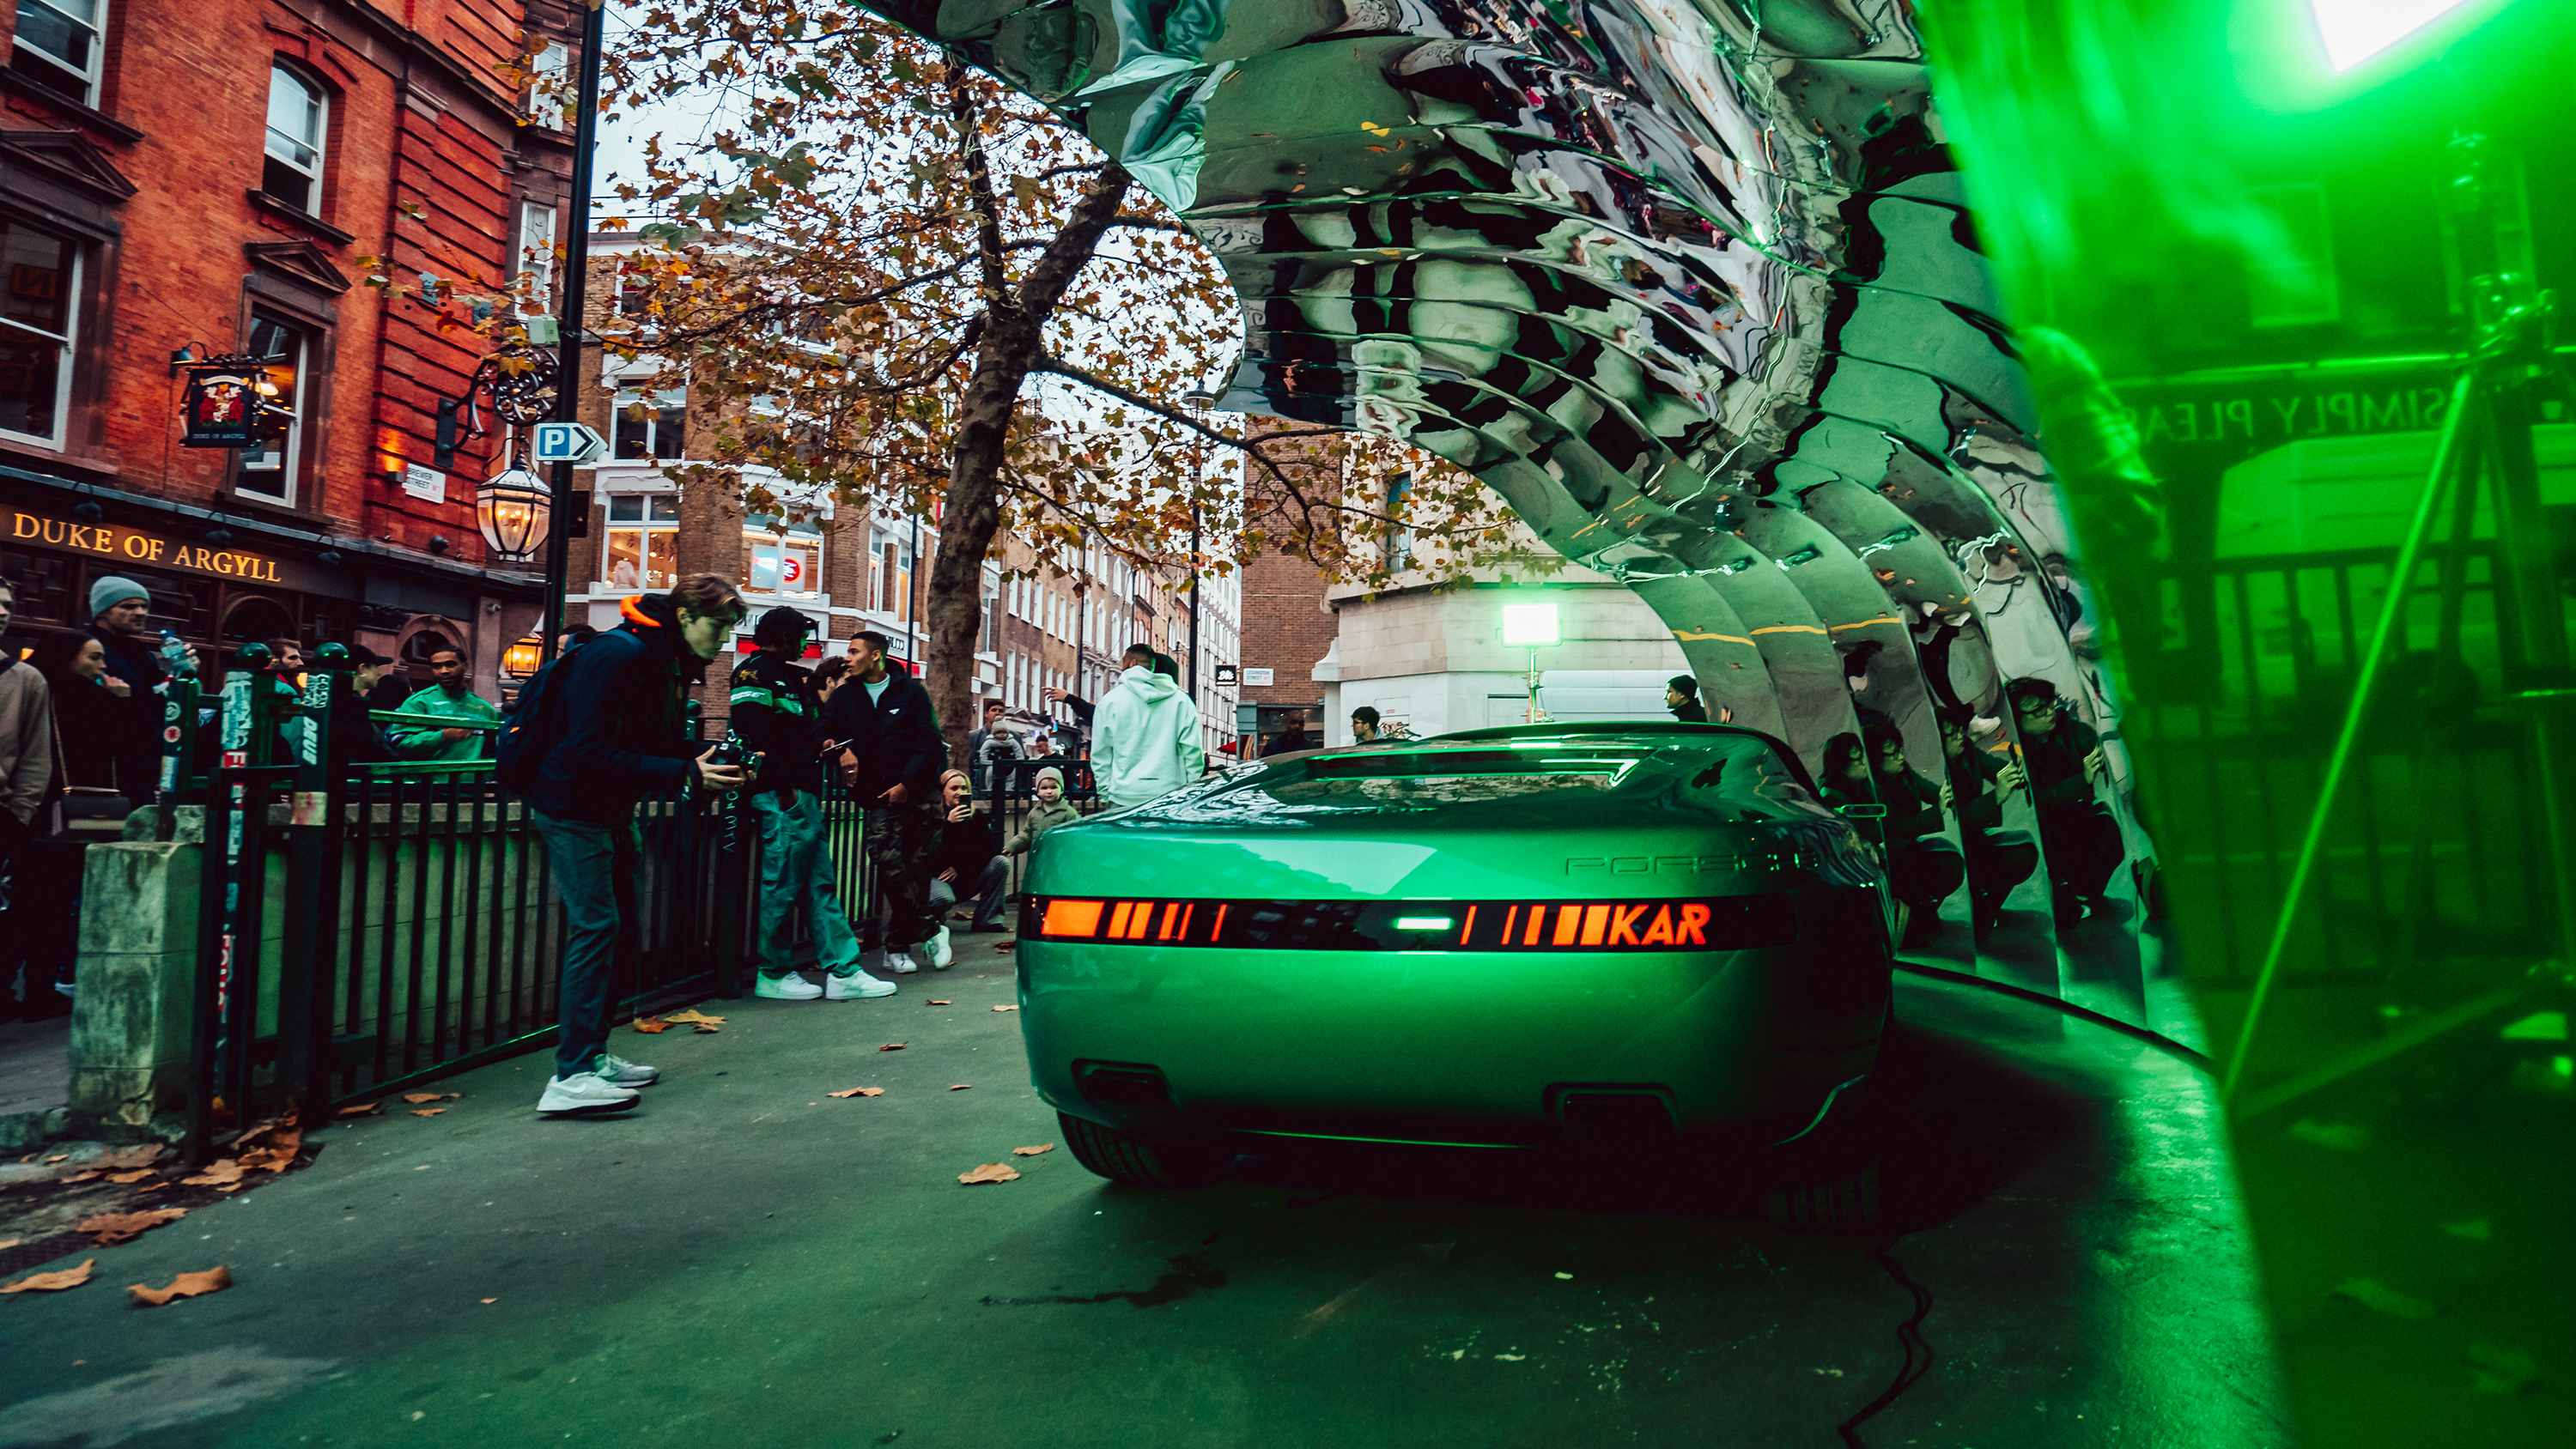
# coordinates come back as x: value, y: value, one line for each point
x: 2356, y: 30
x: 1529, y: 625
x: 1423, y: 923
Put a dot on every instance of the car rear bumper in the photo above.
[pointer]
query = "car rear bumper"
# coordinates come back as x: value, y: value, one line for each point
x: 1449, y: 1047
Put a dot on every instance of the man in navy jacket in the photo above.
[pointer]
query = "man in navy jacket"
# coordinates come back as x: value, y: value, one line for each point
x: 892, y: 758
x: 616, y: 739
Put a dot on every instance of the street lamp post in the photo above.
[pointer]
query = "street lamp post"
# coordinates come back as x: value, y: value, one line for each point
x: 576, y: 318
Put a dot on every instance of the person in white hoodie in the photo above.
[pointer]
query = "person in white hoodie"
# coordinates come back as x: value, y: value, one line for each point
x: 1145, y: 735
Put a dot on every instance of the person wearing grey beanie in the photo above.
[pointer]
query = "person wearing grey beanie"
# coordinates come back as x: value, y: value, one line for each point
x: 107, y: 593
x: 121, y: 621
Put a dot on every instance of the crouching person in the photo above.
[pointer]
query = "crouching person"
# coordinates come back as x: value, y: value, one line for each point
x: 615, y: 737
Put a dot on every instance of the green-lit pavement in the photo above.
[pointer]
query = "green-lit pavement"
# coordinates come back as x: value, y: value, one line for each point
x: 749, y: 1261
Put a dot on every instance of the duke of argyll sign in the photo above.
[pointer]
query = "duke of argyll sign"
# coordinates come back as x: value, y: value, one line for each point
x: 228, y: 404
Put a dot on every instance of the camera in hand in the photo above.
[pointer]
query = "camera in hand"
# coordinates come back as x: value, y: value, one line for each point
x: 730, y: 752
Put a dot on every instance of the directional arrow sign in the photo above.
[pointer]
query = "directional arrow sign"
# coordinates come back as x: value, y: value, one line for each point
x: 568, y: 443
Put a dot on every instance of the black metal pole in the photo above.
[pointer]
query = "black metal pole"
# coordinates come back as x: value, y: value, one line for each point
x: 1194, y: 604
x: 575, y: 320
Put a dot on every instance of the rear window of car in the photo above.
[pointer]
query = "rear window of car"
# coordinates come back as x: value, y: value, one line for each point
x: 1735, y: 777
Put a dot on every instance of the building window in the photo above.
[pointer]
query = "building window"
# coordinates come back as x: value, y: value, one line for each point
x: 60, y: 44
x: 537, y: 253
x: 548, y: 84
x: 296, y: 112
x: 651, y: 425
x: 643, y: 540
x: 36, y: 332
x: 269, y: 466
x: 788, y: 562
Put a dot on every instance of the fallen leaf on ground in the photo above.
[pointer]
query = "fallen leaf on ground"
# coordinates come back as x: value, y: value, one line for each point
x: 1006, y: 945
x: 960, y: 1086
x: 491, y: 1300
x: 1006, y: 1008
x: 216, y: 1174
x: 698, y: 1019
x: 651, y: 1025
x: 7, y: 1243
x: 272, y: 1145
x: 857, y: 1092
x: 155, y: 1186
x: 871, y: 1091
x: 85, y: 1176
x: 939, y: 1003
x: 2371, y: 1293
x: 959, y: 916
x: 989, y: 1172
x: 58, y: 1157
x: 54, y: 1282
x: 137, y: 1175
x: 186, y: 1285
x: 110, y: 1229
x: 892, y: 1046
x: 143, y: 1155
x: 428, y: 1111
x: 416, y: 1098
x: 362, y: 1109
x: 1033, y: 1151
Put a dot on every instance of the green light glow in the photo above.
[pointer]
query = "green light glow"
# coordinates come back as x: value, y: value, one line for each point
x: 2356, y: 30
x: 1423, y: 923
x: 1529, y: 626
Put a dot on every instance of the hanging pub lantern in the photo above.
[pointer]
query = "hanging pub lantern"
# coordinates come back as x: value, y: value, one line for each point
x: 230, y: 402
x: 521, y: 659
x: 513, y: 508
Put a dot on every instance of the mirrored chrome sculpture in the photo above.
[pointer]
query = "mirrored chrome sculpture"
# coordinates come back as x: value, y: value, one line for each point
x: 1693, y: 285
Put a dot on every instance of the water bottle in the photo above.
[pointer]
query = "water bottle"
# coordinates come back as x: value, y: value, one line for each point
x: 176, y: 657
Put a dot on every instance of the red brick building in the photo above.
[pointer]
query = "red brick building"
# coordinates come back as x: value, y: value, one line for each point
x: 214, y: 176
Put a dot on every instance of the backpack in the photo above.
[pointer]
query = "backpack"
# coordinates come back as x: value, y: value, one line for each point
x: 530, y: 729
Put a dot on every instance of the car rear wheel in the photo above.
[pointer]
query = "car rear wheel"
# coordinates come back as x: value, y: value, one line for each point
x: 1162, y: 1162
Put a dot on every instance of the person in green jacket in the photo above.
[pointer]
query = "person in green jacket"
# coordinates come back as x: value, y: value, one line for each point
x: 448, y: 697
x: 1051, y: 810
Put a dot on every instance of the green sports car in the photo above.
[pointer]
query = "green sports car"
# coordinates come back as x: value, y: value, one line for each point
x: 1507, y: 937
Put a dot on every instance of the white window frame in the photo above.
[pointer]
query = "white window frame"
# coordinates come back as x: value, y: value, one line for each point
x: 88, y: 76
x: 320, y: 98
x: 644, y: 527
x: 548, y: 71
x: 291, y: 445
x: 656, y: 403
x: 536, y: 253
x: 10, y: 326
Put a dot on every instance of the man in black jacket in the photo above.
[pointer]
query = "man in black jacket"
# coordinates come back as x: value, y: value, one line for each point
x: 775, y: 712
x: 121, y: 621
x: 1681, y: 696
x: 892, y: 755
x: 615, y: 738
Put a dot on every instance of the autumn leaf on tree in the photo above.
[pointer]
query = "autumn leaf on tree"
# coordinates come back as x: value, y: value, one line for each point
x: 109, y: 1229
x: 54, y: 1282
x: 186, y: 1285
x: 989, y: 1172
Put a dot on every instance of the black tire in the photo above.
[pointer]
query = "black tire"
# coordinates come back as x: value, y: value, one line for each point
x: 1179, y: 1164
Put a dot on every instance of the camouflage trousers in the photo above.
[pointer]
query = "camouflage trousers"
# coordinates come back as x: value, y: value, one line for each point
x: 901, y: 843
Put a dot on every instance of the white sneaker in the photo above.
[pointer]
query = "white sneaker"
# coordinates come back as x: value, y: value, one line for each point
x: 789, y: 987
x: 895, y: 962
x: 856, y: 986
x: 583, y: 1093
x: 617, y: 1071
x: 940, y: 955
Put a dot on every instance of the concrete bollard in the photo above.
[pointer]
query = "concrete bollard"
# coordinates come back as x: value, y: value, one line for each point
x: 138, y: 956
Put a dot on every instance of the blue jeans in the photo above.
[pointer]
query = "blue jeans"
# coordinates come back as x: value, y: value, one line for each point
x: 795, y: 870
x: 595, y: 867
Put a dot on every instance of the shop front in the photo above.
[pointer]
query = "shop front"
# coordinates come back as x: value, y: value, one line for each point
x: 221, y: 581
